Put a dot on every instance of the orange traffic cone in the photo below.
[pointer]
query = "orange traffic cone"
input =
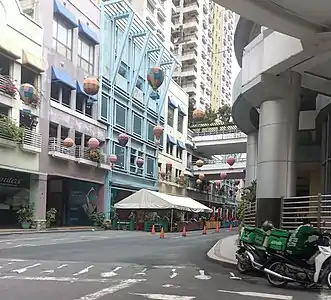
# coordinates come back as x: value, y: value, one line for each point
x: 153, y: 229
x: 231, y: 227
x: 184, y: 231
x: 204, y: 231
x: 217, y: 229
x: 162, y: 233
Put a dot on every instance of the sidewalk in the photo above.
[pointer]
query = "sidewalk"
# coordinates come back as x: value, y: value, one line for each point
x: 224, y: 250
x: 4, y: 232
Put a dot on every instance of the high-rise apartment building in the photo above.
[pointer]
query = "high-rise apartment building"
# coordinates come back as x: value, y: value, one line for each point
x: 192, y: 39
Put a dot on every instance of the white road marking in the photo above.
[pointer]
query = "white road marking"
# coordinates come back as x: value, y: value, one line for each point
x: 234, y: 277
x: 163, y: 296
x: 48, y: 271
x: 170, y: 286
x: 258, y: 295
x: 62, y: 266
x: 142, y: 272
x: 20, y: 271
x: 57, y: 279
x: 173, y: 273
x: 202, y: 276
x: 324, y: 296
x: 169, y: 267
x: 9, y: 243
x: 111, y: 273
x: 16, y: 260
x: 24, y: 245
x: 83, y: 271
x: 111, y: 290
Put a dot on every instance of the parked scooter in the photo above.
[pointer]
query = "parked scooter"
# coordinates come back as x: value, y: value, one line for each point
x: 314, y: 272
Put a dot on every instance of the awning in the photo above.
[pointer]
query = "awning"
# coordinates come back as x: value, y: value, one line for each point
x: 32, y: 61
x: 181, y: 110
x: 88, y: 33
x: 170, y: 139
x: 59, y: 75
x: 61, y: 11
x: 80, y: 90
x: 181, y: 145
x: 146, y: 199
x: 172, y: 103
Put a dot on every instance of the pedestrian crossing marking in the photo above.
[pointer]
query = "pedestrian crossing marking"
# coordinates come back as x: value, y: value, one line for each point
x: 163, y: 296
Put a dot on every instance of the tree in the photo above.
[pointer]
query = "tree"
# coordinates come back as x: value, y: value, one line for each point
x: 224, y: 114
x: 210, y: 116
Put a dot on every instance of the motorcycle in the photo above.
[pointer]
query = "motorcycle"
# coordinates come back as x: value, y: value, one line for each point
x: 313, y: 272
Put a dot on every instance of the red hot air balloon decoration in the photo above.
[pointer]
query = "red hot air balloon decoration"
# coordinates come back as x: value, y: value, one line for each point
x: 139, y: 162
x: 223, y: 176
x: 93, y: 143
x: 231, y: 161
x: 91, y: 86
x: 123, y: 139
x: 68, y: 142
x: 198, y: 114
x: 112, y: 158
x: 155, y: 77
x: 158, y: 130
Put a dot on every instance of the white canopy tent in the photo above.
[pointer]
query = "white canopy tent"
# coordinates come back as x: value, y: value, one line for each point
x: 146, y: 199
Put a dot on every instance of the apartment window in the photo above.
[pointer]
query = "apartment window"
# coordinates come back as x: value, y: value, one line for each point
x: 133, y: 159
x: 120, y: 115
x: 150, y: 132
x: 120, y: 153
x: 85, y: 55
x: 66, y: 95
x: 150, y: 163
x: 62, y: 39
x: 123, y: 70
x: 52, y: 131
x: 28, y: 76
x: 137, y: 125
x: 80, y: 99
x: 104, y: 108
x: 78, y: 138
x: 64, y: 132
x: 179, y: 153
x: 180, y: 123
x: 55, y: 91
x: 140, y: 83
x: 170, y: 148
x: 150, y: 7
x: 171, y: 114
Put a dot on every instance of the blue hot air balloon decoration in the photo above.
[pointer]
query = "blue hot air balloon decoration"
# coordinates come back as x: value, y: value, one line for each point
x: 155, y: 77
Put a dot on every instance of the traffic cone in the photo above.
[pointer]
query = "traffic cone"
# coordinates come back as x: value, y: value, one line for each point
x: 231, y: 227
x: 217, y: 229
x: 153, y: 229
x: 184, y: 231
x: 204, y: 231
x: 162, y: 233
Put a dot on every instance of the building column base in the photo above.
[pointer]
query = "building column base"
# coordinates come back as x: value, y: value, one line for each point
x: 39, y: 224
x: 268, y: 209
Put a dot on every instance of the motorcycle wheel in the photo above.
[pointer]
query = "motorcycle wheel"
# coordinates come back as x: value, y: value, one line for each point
x: 275, y: 281
x: 328, y: 278
x: 241, y: 267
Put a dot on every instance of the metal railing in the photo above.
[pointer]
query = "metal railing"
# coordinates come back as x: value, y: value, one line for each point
x: 56, y: 145
x: 32, y: 138
x: 316, y: 208
x: 218, y: 161
x: 225, y: 133
x: 250, y: 214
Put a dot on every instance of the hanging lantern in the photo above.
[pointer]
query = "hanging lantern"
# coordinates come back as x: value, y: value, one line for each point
x: 123, y: 139
x: 199, y: 163
x: 231, y: 161
x: 91, y: 86
x: 68, y: 142
x: 28, y: 93
x: 158, y: 130
x: 236, y: 182
x: 223, y: 176
x: 93, y: 143
x: 139, y: 162
x: 155, y: 77
x: 201, y: 176
x: 198, y: 114
x: 198, y: 181
x: 163, y: 174
x: 168, y: 165
x: 112, y: 158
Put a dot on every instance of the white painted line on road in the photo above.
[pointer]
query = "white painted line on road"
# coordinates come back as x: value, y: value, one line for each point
x: 169, y: 267
x: 170, y: 286
x: 9, y: 243
x: 163, y: 296
x: 48, y: 271
x: 258, y: 295
x: 83, y: 271
x: 62, y: 266
x: 173, y: 274
x: 112, y: 289
x: 202, y: 276
x: 142, y: 272
x: 57, y: 279
x: 111, y: 273
x: 20, y: 271
x: 17, y: 260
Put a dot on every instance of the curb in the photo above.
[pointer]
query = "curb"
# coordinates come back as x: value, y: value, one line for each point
x: 48, y: 231
x: 212, y: 255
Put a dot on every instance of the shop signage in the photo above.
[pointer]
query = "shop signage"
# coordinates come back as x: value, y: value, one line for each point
x: 10, y: 181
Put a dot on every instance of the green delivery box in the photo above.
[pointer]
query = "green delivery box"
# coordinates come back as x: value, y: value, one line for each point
x: 278, y: 239
x: 248, y: 235
x: 260, y: 235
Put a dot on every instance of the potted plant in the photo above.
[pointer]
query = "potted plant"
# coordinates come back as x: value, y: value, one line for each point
x: 97, y: 218
x: 7, y: 86
x: 25, y: 216
x: 9, y: 130
x: 95, y: 155
x: 50, y: 217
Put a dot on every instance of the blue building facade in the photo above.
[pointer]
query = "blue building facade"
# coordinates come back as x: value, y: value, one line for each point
x: 127, y: 103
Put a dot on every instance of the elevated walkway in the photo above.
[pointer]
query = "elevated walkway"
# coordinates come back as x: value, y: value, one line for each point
x: 216, y: 139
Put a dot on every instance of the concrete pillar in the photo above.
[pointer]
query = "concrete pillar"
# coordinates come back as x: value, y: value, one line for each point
x: 276, y: 170
x: 38, y: 197
x: 251, y: 163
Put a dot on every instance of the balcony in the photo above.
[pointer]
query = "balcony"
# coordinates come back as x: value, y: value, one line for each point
x: 8, y: 91
x: 191, y: 24
x: 204, y: 39
x: 31, y: 141
x: 189, y: 87
x: 210, y: 34
x: 190, y: 72
x: 189, y: 55
x: 190, y: 40
x: 57, y: 150
x: 190, y: 6
x: 205, y: 9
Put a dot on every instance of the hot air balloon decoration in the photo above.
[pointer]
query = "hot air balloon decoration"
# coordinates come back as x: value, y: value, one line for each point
x: 231, y: 161
x: 223, y: 176
x: 198, y: 181
x: 29, y: 94
x: 93, y: 143
x: 112, y: 159
x: 201, y: 176
x: 158, y: 130
x: 68, y: 142
x: 199, y: 163
x: 123, y: 139
x: 155, y: 77
x: 198, y: 114
x: 91, y: 86
x: 139, y: 162
x: 236, y: 182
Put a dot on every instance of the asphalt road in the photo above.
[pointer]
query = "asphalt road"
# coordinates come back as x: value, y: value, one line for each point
x: 123, y: 265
